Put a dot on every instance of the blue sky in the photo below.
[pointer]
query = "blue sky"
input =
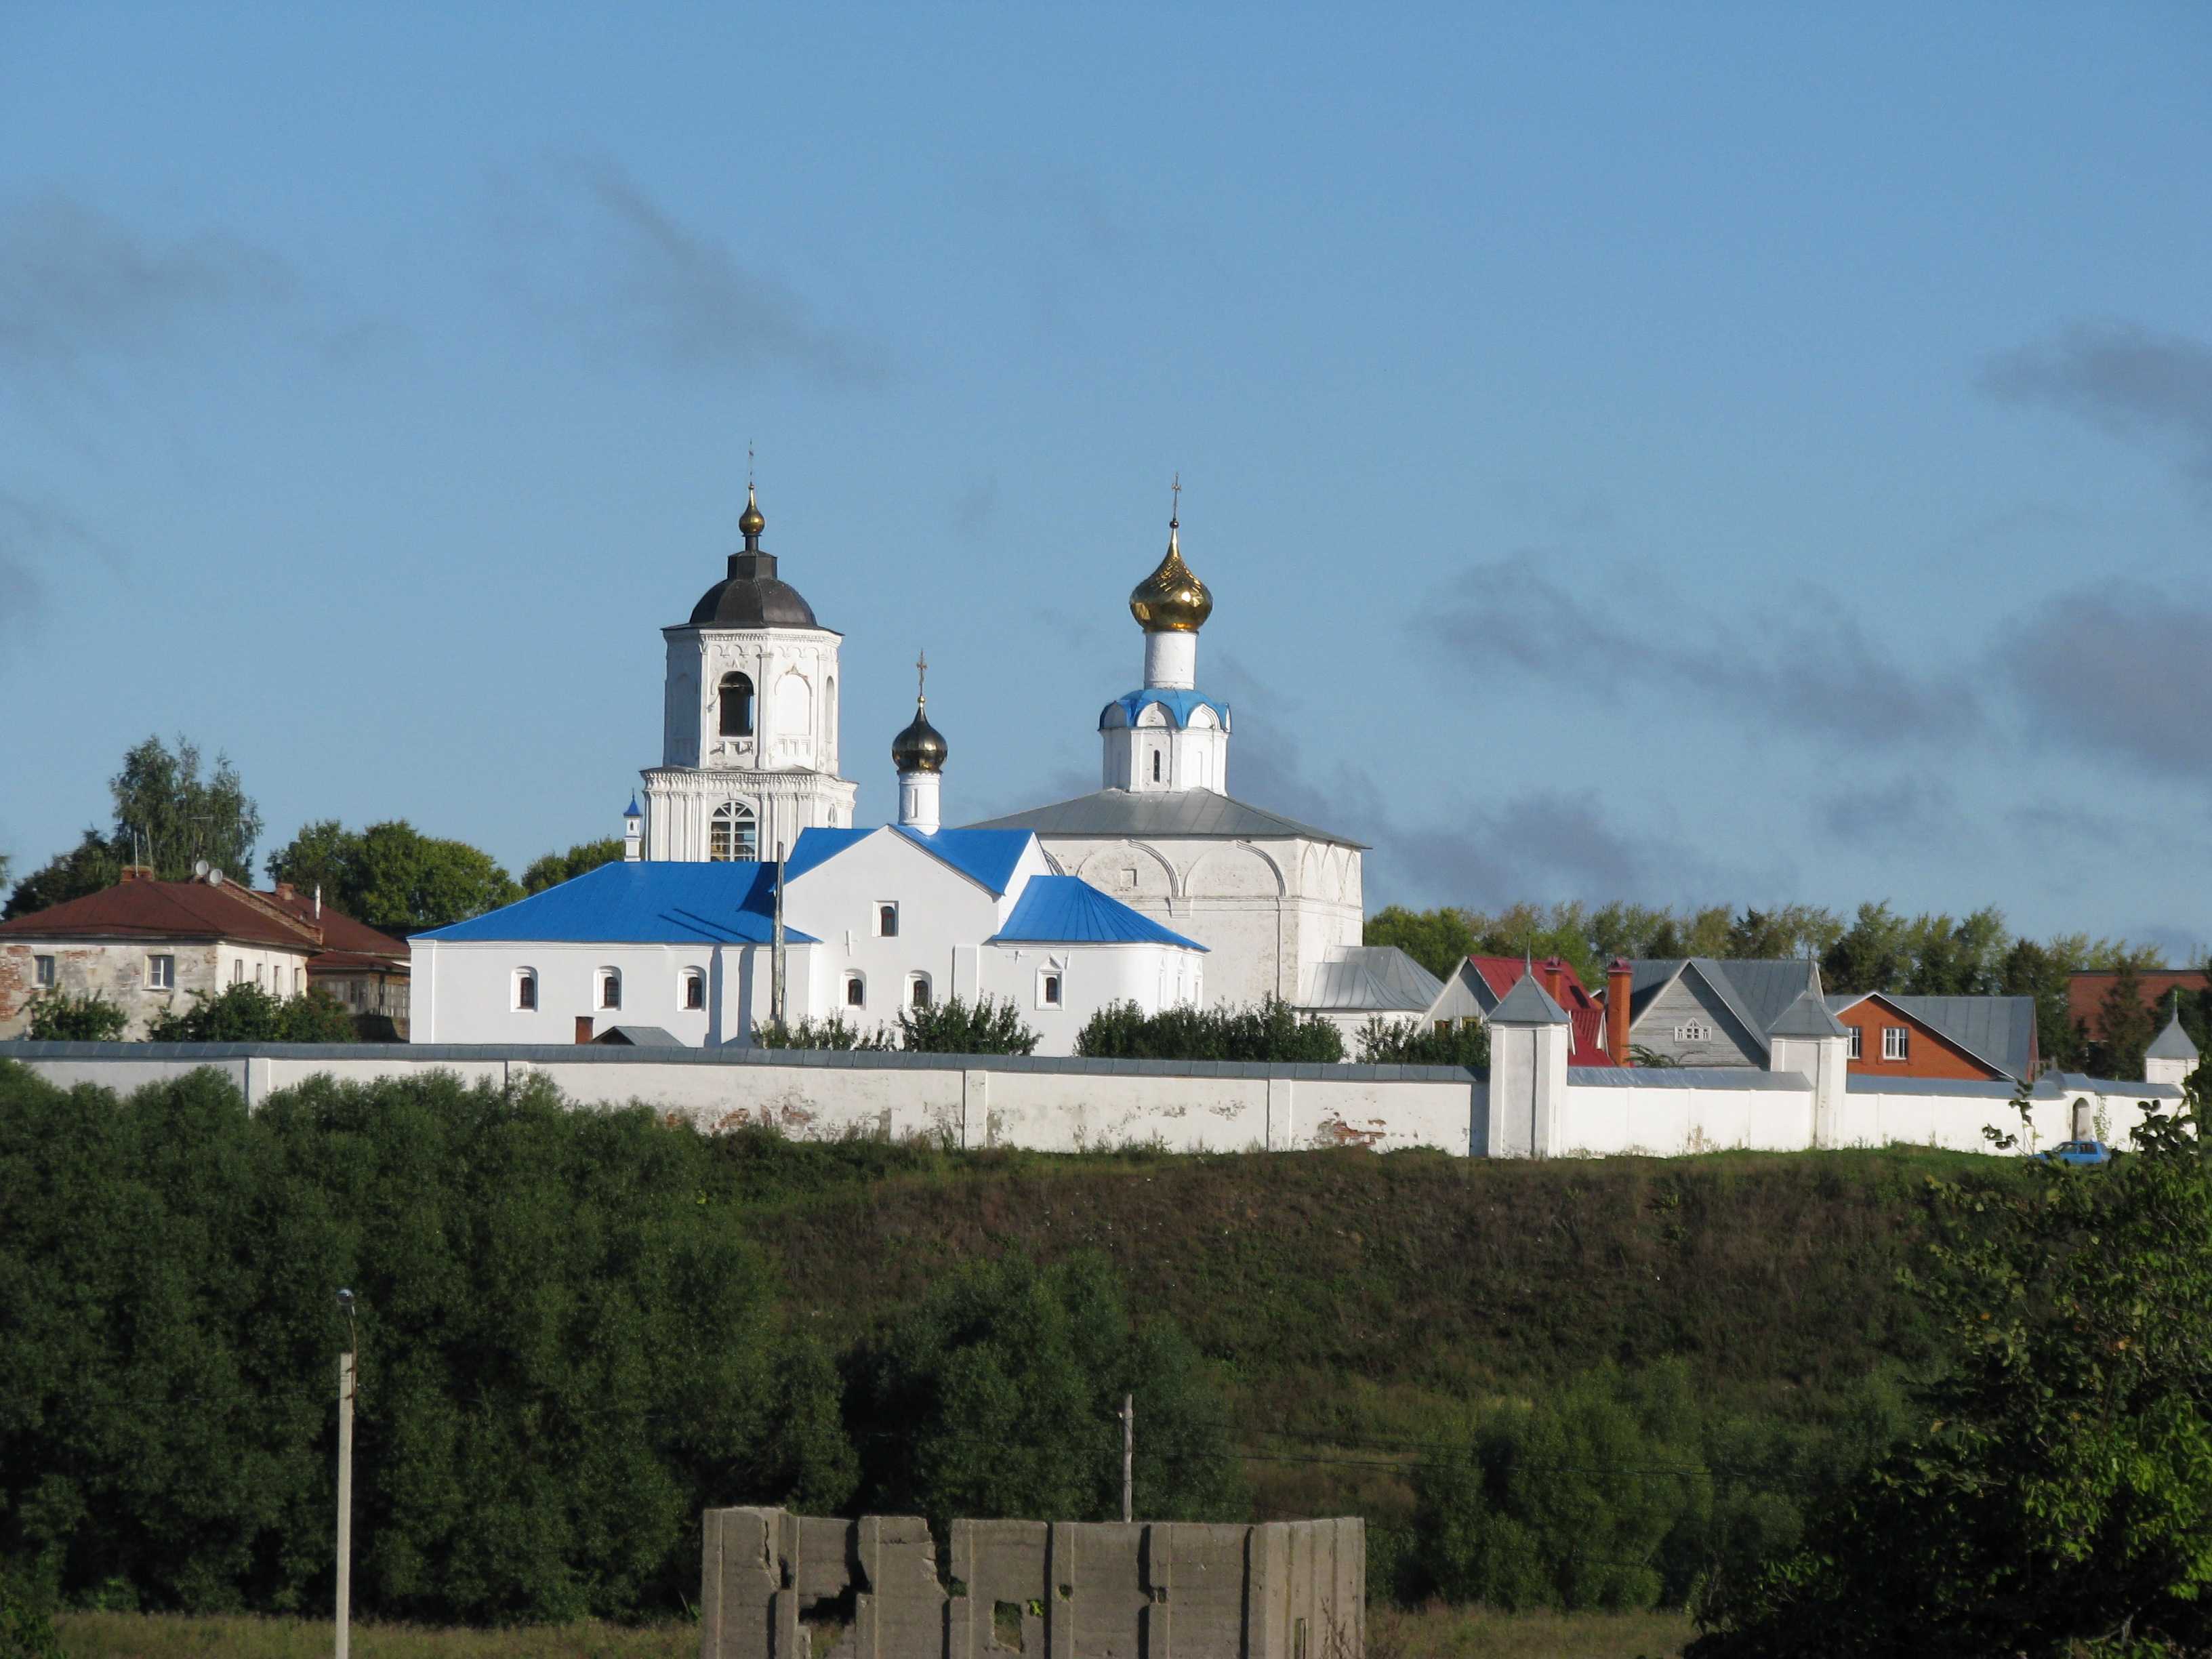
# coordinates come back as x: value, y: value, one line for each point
x: 1696, y: 453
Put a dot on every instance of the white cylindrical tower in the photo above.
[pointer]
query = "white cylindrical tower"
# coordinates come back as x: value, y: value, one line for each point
x: 1167, y: 736
x: 1170, y: 661
x: 919, y: 753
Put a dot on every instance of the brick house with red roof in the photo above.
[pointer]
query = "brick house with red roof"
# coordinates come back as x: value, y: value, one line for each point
x: 150, y: 946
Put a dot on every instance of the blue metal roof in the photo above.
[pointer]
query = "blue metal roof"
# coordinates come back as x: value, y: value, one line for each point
x: 988, y: 856
x: 815, y: 848
x: 641, y: 903
x: 1068, y: 910
x: 1177, y: 703
x: 633, y: 812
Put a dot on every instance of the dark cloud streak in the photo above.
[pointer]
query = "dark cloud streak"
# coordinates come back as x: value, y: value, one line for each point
x: 2124, y: 380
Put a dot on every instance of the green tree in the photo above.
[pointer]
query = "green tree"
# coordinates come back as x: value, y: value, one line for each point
x: 1874, y: 953
x: 87, y: 867
x: 60, y: 1018
x: 180, y: 818
x: 2126, y: 1025
x: 1786, y: 932
x: 2058, y: 1503
x: 1005, y: 1385
x: 322, y: 855
x: 955, y: 1026
x: 1384, y: 1042
x: 246, y: 1013
x: 1270, y: 1032
x: 2045, y: 972
x: 554, y: 868
x: 829, y: 1033
x: 1963, y: 958
x: 392, y: 876
x: 1438, y: 939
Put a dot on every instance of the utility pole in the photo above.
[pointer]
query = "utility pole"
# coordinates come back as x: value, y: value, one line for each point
x: 1128, y: 1457
x: 345, y: 1482
x: 775, y: 956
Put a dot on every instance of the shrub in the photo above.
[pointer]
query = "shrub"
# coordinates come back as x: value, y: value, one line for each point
x: 1269, y: 1032
x: 985, y: 1026
x: 246, y: 1013
x: 60, y: 1018
x: 831, y: 1033
x: 1383, y: 1042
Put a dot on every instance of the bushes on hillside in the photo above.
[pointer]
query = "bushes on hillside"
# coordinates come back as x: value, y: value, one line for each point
x: 1269, y: 1032
x: 997, y: 1397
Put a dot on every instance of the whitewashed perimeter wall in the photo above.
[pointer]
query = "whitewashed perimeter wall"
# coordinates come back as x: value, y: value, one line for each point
x: 1063, y: 1105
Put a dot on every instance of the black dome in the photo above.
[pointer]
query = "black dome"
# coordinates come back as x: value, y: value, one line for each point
x: 750, y: 596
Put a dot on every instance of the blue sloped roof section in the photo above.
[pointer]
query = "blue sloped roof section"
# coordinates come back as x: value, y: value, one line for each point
x: 815, y: 848
x: 988, y: 856
x: 1069, y: 910
x: 1177, y: 703
x: 641, y: 903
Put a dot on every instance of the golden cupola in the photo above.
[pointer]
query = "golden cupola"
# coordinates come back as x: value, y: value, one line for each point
x: 1171, y: 601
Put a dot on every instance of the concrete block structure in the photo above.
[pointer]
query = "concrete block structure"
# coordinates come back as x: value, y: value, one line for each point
x: 775, y: 1585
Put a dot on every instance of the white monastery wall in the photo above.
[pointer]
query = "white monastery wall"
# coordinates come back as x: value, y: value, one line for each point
x: 1062, y: 1105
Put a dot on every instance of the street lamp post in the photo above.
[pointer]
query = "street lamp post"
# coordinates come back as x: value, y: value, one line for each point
x: 345, y: 1481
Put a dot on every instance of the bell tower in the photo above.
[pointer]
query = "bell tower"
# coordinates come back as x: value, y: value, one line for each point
x: 749, y: 731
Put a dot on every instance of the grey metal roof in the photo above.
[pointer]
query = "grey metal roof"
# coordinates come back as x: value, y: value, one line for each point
x: 640, y: 1037
x: 1808, y: 1017
x: 1166, y: 812
x: 2172, y: 1043
x: 1755, y: 992
x: 1526, y: 1004
x: 1378, y: 977
x: 1683, y: 1076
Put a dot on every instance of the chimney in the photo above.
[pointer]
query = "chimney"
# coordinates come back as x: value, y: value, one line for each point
x: 1554, y: 972
x: 319, y: 901
x: 1619, y: 976
x: 137, y: 872
x: 285, y: 891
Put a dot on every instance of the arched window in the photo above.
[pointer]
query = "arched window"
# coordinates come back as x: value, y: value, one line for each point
x: 694, y: 988
x: 525, y: 989
x: 1048, y: 988
x: 737, y: 705
x: 610, y: 988
x: 733, y: 837
x: 887, y: 920
x: 1155, y: 766
x: 917, y: 991
x: 856, y: 991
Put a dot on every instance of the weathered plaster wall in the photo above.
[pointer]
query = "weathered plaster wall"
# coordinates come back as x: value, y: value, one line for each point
x: 772, y: 1583
x: 120, y: 971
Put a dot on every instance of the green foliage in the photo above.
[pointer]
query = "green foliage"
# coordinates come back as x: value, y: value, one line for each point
x: 832, y: 1033
x: 27, y: 1630
x: 61, y: 1018
x: 1384, y: 1042
x: 2058, y: 1501
x: 998, y: 1396
x: 554, y: 868
x: 566, y: 1351
x: 180, y: 817
x: 2125, y: 1026
x: 1438, y: 939
x: 89, y: 866
x: 985, y: 1026
x: 246, y: 1013
x: 1269, y: 1032
x: 392, y: 876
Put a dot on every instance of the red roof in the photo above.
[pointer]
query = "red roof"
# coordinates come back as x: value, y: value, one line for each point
x: 194, y: 909
x: 162, y: 910
x: 1585, y: 1014
x: 2086, y: 990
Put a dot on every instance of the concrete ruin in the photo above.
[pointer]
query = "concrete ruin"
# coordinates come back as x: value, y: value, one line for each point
x: 775, y: 1585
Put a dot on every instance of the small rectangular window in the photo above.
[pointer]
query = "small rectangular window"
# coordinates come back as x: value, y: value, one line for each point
x: 887, y: 922
x: 610, y: 989
x: 42, y: 971
x: 161, y: 973
x: 695, y: 989
x: 918, y: 992
x: 1858, y: 1042
x: 238, y: 971
x: 525, y: 990
x: 856, y: 991
x: 1894, y: 1041
x: 1049, y: 991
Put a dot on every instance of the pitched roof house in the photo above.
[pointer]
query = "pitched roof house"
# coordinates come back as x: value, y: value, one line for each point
x: 1481, y: 983
x: 1987, y: 1039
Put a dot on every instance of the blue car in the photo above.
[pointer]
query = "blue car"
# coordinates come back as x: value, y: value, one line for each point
x: 2078, y: 1151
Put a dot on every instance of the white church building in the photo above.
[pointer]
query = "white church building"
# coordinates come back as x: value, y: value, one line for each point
x: 747, y: 890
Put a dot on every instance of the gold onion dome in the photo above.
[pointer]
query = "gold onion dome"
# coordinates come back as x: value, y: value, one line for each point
x: 1171, y: 601
x: 920, y: 747
x: 751, y: 523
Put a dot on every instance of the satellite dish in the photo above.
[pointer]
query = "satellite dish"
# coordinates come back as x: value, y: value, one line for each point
x: 215, y: 879
x: 200, y: 870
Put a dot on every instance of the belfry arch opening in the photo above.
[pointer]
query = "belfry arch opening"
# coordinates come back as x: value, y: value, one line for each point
x: 737, y: 705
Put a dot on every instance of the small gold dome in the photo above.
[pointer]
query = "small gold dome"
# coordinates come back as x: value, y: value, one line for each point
x: 920, y: 747
x: 750, y: 523
x: 1171, y: 601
